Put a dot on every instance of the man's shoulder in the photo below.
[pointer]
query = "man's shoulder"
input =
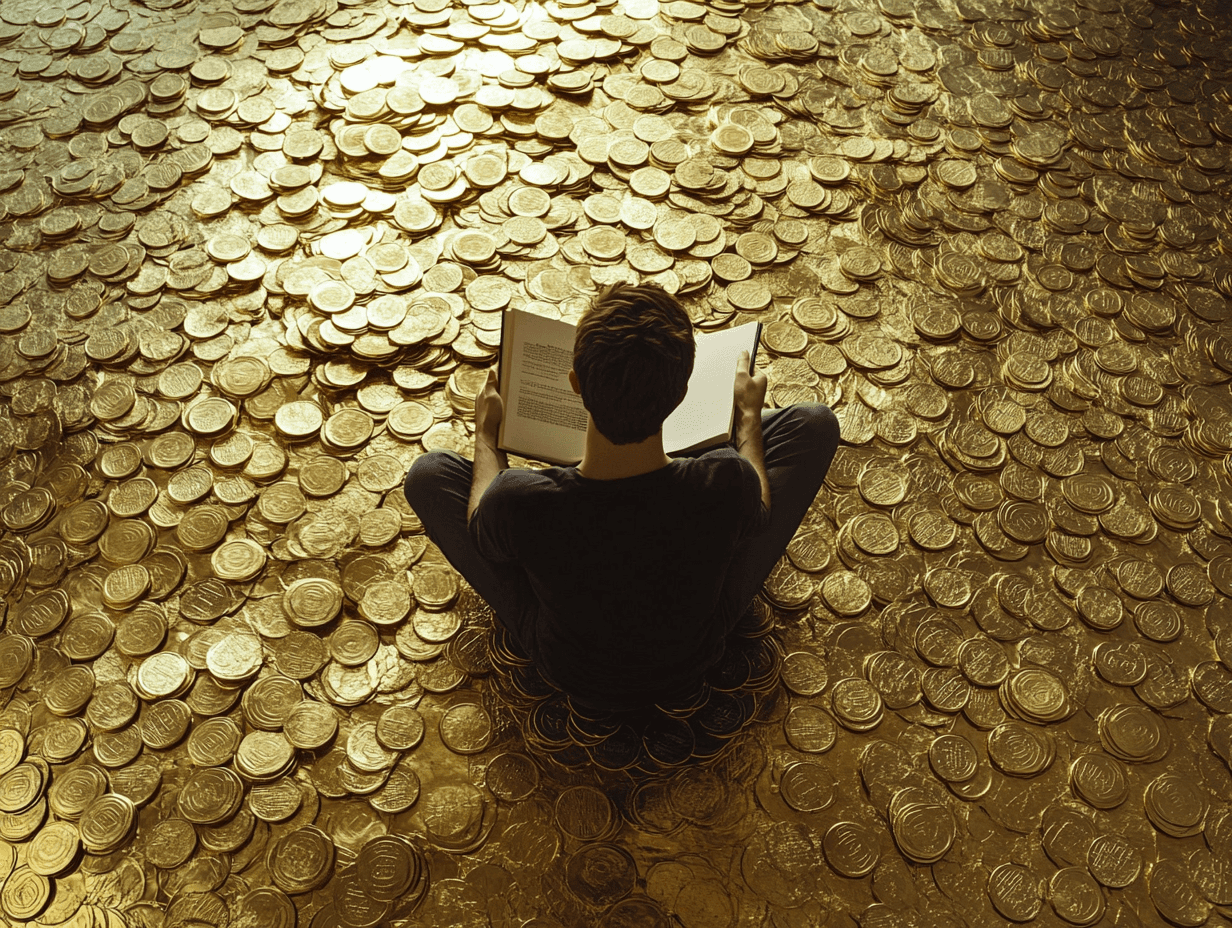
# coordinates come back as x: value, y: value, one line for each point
x: 723, y: 466
x: 725, y: 456
x: 717, y: 456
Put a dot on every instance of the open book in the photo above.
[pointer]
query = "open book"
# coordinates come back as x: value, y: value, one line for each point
x: 545, y: 420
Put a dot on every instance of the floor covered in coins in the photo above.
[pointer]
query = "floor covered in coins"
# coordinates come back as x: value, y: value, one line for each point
x: 254, y: 261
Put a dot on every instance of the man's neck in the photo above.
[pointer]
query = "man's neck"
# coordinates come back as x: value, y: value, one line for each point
x: 602, y: 460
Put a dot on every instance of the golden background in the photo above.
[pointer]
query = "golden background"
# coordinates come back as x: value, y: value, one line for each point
x: 254, y: 262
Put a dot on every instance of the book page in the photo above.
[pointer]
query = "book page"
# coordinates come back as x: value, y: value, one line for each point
x: 704, y: 416
x: 544, y: 419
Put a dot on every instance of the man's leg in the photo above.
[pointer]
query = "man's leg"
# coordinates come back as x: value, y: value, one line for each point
x: 798, y: 445
x: 438, y: 488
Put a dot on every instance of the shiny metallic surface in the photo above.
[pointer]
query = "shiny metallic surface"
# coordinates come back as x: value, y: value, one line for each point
x: 254, y: 258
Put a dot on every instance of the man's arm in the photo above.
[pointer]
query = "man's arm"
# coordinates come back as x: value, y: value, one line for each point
x: 750, y: 394
x: 489, y: 409
x: 749, y: 446
x: 489, y: 461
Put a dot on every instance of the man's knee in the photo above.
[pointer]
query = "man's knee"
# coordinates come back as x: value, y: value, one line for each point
x: 425, y: 476
x: 820, y: 422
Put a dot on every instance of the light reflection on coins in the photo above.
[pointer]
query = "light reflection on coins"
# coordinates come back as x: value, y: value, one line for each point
x: 271, y: 256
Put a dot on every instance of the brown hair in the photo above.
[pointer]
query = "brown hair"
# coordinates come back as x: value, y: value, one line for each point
x: 633, y: 355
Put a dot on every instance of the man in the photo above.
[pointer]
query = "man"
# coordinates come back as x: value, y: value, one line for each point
x: 622, y: 576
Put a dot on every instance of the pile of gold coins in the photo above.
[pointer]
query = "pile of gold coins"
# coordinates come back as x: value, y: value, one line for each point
x: 253, y: 261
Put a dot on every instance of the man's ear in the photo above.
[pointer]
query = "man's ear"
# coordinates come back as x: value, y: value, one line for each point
x: 573, y: 382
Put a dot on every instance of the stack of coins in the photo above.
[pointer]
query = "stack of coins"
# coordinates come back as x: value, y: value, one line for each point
x: 1175, y: 806
x: 1021, y: 750
x: 1035, y: 695
x: 923, y: 829
x: 1133, y: 734
x: 301, y: 860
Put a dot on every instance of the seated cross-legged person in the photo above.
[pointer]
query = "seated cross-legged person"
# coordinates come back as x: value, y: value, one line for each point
x: 621, y: 577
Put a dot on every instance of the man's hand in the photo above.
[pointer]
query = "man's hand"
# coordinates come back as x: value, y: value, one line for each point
x: 490, y: 408
x: 750, y: 391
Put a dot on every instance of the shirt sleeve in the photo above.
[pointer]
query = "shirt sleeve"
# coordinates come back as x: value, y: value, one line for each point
x: 491, y: 529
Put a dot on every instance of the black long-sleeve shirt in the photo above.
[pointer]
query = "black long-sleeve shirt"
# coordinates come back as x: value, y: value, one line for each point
x: 627, y: 573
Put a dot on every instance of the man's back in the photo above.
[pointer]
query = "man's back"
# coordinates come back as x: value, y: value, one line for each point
x: 627, y: 573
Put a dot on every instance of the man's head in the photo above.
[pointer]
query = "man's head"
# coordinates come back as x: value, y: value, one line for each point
x: 633, y: 356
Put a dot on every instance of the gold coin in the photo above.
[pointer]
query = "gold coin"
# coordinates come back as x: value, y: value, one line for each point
x: 1015, y: 892
x: 213, y: 742
x: 850, y: 849
x: 301, y: 860
x: 163, y: 674
x: 165, y: 724
x: 310, y: 725
x: 71, y: 793
x: 846, y: 593
x: 12, y: 749
x: 106, y: 823
x: 281, y: 503
x: 810, y: 729
x: 379, y: 527
x: 264, y: 755
x: 21, y: 787
x: 804, y: 673
x: 202, y: 528
x: 400, y: 728
x: 43, y: 613
x: 366, y: 752
x: 300, y: 654
x: 210, y: 796
x: 21, y: 826
x: 238, y: 560
x: 311, y: 601
x: 466, y: 729
x: 1099, y: 780
x: 190, y: 485
x: 68, y: 693
x: 436, y: 627
x: 435, y: 586
x: 25, y: 894
x: 732, y: 139
x: 276, y: 801
x: 209, y: 417
x: 299, y: 420
x: 353, y: 643
x: 857, y: 704
x: 347, y: 429
x: 399, y: 792
x: 84, y: 522
x: 171, y: 843
x: 234, y: 658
